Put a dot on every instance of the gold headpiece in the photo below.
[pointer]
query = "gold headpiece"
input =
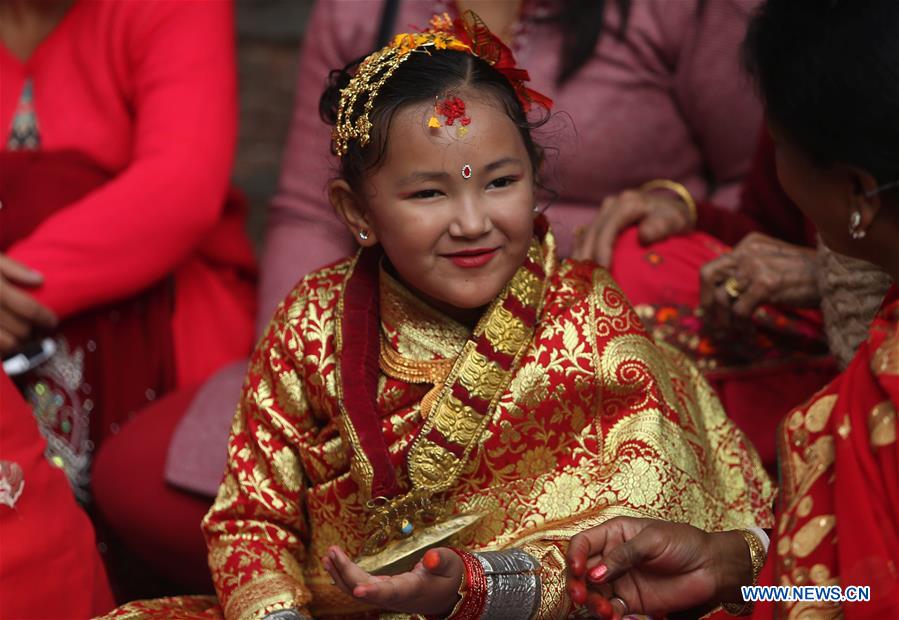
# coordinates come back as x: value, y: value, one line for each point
x: 467, y: 34
x: 373, y: 72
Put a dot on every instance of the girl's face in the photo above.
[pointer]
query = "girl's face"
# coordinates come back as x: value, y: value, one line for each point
x: 454, y: 214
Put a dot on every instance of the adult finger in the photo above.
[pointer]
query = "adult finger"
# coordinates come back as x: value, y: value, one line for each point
x: 623, y: 216
x: 711, y: 275
x: 8, y: 343
x: 19, y: 273
x: 750, y: 299
x: 586, y: 241
x: 657, y: 227
x: 26, y: 307
x: 598, y: 606
x: 585, y: 544
x: 629, y: 555
x: 619, y: 607
x: 14, y: 324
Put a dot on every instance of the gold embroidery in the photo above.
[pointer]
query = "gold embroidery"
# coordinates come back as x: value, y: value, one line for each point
x: 796, y: 419
x: 811, y: 534
x: 885, y: 360
x: 882, y: 424
x: 819, y: 413
x: 805, y: 506
x: 844, y: 428
x: 819, y: 574
x: 566, y: 447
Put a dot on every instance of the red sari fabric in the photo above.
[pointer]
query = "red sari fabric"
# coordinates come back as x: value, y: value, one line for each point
x: 49, y: 565
x: 838, y: 515
x: 761, y: 370
x: 110, y: 360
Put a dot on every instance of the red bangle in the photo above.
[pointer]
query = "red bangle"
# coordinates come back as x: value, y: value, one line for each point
x: 473, y: 590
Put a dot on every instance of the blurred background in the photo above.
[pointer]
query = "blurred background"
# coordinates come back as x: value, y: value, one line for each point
x: 269, y: 33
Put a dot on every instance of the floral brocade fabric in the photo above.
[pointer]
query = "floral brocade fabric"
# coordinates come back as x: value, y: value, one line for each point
x: 595, y: 421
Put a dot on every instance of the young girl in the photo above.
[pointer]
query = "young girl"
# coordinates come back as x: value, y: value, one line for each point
x: 452, y: 386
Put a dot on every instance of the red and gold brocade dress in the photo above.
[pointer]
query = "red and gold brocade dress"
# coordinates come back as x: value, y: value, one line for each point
x: 838, y: 515
x: 556, y: 413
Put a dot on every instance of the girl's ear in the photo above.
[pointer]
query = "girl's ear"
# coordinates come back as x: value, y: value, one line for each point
x: 350, y: 210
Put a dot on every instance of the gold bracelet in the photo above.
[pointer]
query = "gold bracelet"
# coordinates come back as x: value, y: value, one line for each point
x: 678, y: 188
x: 757, y: 555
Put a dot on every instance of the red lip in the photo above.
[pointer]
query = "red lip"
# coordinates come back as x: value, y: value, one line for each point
x: 469, y: 259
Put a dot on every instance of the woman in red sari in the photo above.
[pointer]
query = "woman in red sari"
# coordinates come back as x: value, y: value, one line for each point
x: 833, y: 123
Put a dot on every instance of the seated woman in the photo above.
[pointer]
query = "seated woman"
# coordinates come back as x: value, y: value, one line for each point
x: 454, y: 383
x: 832, y: 118
x: 117, y: 237
x: 56, y: 572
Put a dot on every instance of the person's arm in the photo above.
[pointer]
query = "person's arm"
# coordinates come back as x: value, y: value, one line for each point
x: 303, y: 233
x: 255, y: 529
x: 138, y: 227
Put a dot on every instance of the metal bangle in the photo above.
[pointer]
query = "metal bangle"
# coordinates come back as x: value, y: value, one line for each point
x: 286, y: 614
x: 514, y: 586
x: 678, y: 188
x: 757, y: 555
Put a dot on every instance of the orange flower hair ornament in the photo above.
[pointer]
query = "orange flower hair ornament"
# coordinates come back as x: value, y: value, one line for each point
x: 466, y: 34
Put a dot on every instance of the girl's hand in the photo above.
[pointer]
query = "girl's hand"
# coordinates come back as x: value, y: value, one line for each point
x: 20, y: 314
x: 659, y: 215
x: 654, y: 567
x: 431, y: 588
x: 761, y: 270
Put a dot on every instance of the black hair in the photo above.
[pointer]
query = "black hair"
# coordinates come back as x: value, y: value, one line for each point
x: 828, y: 73
x: 581, y: 21
x: 420, y: 78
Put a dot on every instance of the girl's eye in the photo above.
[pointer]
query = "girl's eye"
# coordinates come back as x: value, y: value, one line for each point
x: 501, y: 182
x: 425, y: 194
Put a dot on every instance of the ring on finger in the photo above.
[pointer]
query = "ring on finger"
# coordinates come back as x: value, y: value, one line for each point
x: 621, y: 604
x: 732, y: 288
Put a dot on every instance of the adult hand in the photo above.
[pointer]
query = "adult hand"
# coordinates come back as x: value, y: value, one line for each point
x: 20, y: 313
x: 654, y: 567
x: 430, y: 588
x: 659, y: 215
x: 760, y: 270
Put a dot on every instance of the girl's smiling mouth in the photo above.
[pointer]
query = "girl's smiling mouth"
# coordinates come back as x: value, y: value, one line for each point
x: 470, y: 259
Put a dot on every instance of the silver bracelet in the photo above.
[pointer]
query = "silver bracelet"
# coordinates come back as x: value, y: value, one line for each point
x: 286, y: 614
x: 513, y: 584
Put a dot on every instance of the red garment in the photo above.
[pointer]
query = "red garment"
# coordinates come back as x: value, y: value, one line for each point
x: 838, y: 513
x: 840, y: 478
x: 94, y: 380
x: 49, y: 565
x: 760, y: 372
x: 160, y: 526
x: 146, y: 90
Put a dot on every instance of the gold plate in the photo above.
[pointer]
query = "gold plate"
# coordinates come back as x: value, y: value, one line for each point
x: 401, y: 555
